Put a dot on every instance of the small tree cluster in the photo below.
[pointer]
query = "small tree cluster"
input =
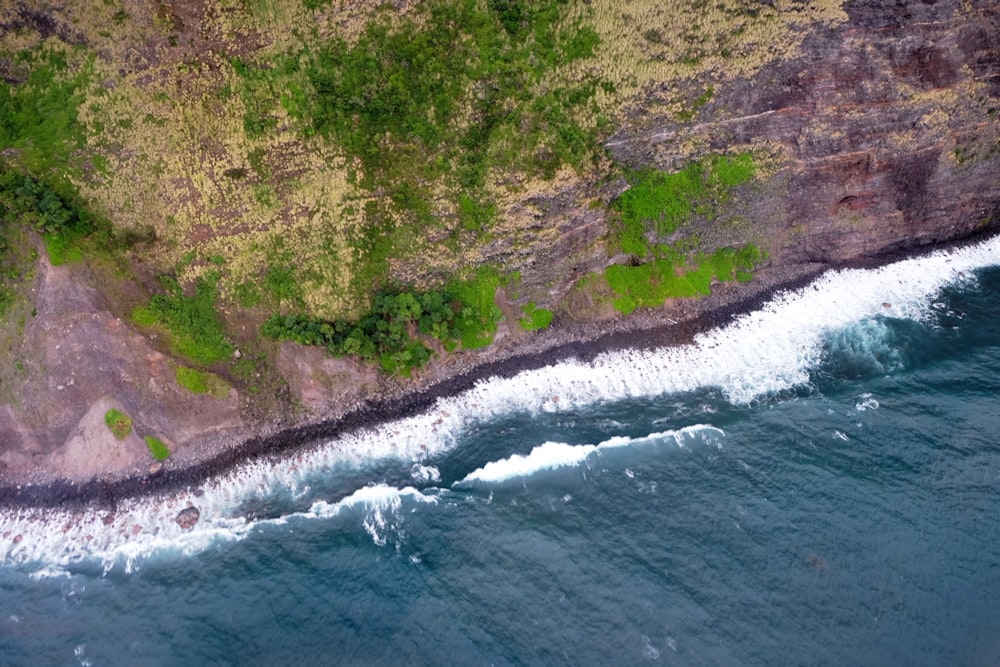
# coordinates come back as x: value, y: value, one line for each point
x: 36, y: 203
x: 385, y: 334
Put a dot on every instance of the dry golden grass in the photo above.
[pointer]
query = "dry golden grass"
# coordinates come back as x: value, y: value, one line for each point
x: 165, y: 114
x: 647, y: 42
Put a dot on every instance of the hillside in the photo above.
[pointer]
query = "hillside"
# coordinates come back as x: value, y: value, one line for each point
x: 229, y: 218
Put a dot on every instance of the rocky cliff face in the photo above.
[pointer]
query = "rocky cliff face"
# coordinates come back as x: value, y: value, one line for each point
x: 77, y: 361
x: 885, y: 132
x: 880, y: 134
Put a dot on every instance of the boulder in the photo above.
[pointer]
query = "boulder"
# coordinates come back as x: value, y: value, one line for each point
x: 187, y: 518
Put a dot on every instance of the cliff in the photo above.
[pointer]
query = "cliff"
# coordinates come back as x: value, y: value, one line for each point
x: 810, y: 135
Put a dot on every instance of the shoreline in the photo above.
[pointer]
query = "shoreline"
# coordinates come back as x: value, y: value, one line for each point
x: 645, y: 332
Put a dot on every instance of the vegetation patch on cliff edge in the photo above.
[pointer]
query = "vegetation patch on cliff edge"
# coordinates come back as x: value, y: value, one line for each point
x: 659, y: 217
x: 157, y: 448
x: 658, y: 203
x: 396, y: 332
x: 650, y: 284
x: 119, y: 423
x: 191, y: 322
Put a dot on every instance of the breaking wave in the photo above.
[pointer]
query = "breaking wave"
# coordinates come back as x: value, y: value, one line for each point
x: 763, y: 352
x: 553, y: 455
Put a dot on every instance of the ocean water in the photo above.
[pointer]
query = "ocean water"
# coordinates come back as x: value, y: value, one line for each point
x: 817, y: 484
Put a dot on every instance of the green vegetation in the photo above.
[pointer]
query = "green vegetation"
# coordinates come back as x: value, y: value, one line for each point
x: 39, y: 205
x: 535, y: 318
x: 192, y: 379
x: 315, y: 172
x: 399, y: 92
x: 192, y: 322
x: 200, y: 382
x: 383, y: 335
x: 119, y: 423
x: 393, y: 333
x: 658, y: 203
x: 728, y: 172
x: 157, y: 448
x: 60, y: 217
x: 38, y: 115
x: 649, y: 285
x: 431, y: 108
x: 476, y: 321
x: 43, y: 138
x: 281, y: 285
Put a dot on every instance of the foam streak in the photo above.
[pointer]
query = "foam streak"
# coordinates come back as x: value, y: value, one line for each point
x: 769, y: 350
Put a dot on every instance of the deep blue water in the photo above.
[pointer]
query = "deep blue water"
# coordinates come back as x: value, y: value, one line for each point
x: 852, y: 519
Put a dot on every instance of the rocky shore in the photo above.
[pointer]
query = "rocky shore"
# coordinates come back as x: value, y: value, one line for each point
x: 879, y: 138
x: 212, y: 454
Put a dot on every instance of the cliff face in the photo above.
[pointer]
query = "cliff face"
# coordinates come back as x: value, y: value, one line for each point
x: 885, y: 132
x: 879, y: 133
x: 77, y: 361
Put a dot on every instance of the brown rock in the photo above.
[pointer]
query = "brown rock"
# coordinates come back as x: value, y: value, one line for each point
x: 187, y: 518
x: 879, y: 125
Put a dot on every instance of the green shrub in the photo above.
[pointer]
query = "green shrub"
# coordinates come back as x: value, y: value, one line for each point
x: 427, y: 107
x: 157, y: 448
x: 659, y: 202
x: 382, y: 336
x: 732, y: 171
x: 463, y: 312
x: 433, y: 100
x: 119, y: 423
x: 281, y: 283
x: 475, y: 216
x: 648, y: 285
x: 56, y: 213
x: 535, y: 318
x: 476, y: 322
x: 581, y: 44
x: 192, y: 379
x: 192, y: 322
x: 63, y: 248
x: 38, y: 115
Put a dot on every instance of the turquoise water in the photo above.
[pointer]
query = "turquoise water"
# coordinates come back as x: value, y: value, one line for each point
x: 833, y: 503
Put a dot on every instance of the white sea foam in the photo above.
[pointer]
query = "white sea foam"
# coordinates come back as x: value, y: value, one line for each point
x: 381, y: 509
x: 547, y: 456
x: 553, y: 455
x: 866, y: 402
x: 769, y: 350
x: 48, y: 542
x: 424, y: 474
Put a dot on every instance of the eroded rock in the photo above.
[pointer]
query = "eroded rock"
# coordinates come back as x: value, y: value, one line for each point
x: 188, y: 517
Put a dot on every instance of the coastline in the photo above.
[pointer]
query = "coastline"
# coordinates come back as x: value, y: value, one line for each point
x: 649, y: 329
x: 871, y: 155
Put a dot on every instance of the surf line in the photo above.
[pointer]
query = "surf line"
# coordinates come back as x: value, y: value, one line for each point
x: 766, y: 350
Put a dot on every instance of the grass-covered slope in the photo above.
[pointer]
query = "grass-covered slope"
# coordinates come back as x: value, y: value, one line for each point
x: 305, y: 161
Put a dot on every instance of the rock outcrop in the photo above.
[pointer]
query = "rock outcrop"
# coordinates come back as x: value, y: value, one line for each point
x: 884, y: 132
x: 78, y: 360
x: 188, y: 517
